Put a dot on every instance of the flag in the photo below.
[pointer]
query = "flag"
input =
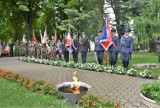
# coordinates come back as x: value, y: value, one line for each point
x: 44, y: 41
x: 44, y: 36
x: 106, y: 38
x: 68, y: 43
x: 55, y: 35
x: 41, y: 35
x: 24, y: 38
x: 34, y: 37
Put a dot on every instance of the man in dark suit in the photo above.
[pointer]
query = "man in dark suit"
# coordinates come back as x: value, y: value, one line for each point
x: 84, y: 46
x: 75, y: 44
x: 65, y: 51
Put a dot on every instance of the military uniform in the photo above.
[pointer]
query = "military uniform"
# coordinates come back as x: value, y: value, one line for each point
x: 75, y: 44
x: 60, y: 49
x: 158, y: 48
x: 1, y: 48
x: 99, y: 49
x: 17, y: 48
x: 38, y: 51
x: 65, y: 51
x: 113, y: 49
x: 126, y: 48
x: 53, y: 49
x: 84, y: 46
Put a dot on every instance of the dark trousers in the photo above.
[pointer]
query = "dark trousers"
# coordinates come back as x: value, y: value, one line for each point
x: 66, y: 56
x: 100, y: 55
x: 75, y: 56
x: 84, y: 56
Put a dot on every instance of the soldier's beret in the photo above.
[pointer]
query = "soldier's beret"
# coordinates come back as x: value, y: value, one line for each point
x: 99, y: 31
x: 113, y: 30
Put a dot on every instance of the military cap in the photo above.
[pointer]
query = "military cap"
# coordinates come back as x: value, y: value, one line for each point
x: 99, y: 31
x: 113, y: 30
x: 83, y: 33
x: 127, y: 30
x: 66, y: 33
x: 75, y: 33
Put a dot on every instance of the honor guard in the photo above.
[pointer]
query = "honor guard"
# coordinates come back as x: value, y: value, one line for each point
x: 60, y: 49
x: 113, y: 49
x: 99, y: 48
x: 84, y: 46
x: 158, y: 48
x: 1, y: 48
x: 75, y: 44
x: 65, y: 51
x: 53, y: 48
x: 126, y: 48
x: 48, y: 49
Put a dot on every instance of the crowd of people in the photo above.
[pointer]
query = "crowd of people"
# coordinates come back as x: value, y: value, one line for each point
x: 55, y: 49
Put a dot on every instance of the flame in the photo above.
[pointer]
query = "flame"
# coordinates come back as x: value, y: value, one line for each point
x: 75, y: 87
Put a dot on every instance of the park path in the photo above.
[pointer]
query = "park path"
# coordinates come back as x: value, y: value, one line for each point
x: 117, y: 88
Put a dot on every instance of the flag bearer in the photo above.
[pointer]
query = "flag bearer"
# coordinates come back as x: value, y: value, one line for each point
x: 113, y: 49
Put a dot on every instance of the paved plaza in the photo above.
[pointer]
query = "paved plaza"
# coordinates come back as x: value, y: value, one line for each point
x: 117, y: 88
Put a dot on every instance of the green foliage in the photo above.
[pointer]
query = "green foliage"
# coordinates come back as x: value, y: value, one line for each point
x: 14, y: 95
x: 151, y: 90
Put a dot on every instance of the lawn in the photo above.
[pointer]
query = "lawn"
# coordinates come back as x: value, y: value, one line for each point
x: 13, y: 95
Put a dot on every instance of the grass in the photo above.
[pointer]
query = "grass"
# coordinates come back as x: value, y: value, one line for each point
x: 13, y: 95
x: 137, y: 57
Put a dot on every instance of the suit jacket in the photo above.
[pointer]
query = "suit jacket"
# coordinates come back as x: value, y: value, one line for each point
x: 84, y: 45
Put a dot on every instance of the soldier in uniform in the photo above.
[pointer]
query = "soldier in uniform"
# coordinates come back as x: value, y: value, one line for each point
x: 38, y: 51
x: 43, y: 51
x: 126, y: 48
x: 84, y: 46
x: 47, y: 51
x: 17, y: 48
x: 75, y: 44
x: 158, y: 48
x: 1, y: 48
x: 53, y: 48
x: 65, y: 51
x: 99, y: 48
x: 60, y: 49
x: 113, y: 49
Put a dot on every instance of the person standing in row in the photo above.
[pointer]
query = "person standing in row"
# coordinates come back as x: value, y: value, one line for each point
x: 75, y: 44
x: 113, y: 49
x: 65, y: 50
x: 158, y: 48
x: 126, y: 48
x: 53, y: 48
x: 60, y: 49
x: 1, y: 49
x: 84, y: 46
x: 99, y: 48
